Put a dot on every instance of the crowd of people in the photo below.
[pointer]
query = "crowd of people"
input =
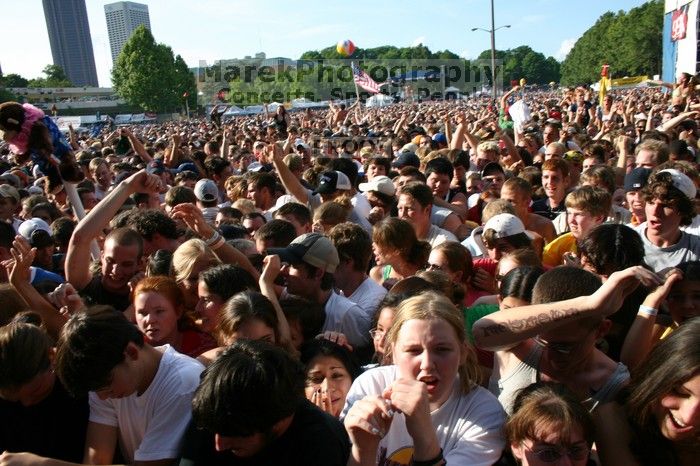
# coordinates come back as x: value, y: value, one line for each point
x: 421, y: 284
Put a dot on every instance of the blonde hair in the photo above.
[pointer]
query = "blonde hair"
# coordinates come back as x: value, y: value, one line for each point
x: 246, y: 206
x: 434, y: 306
x: 95, y: 164
x: 188, y: 254
x: 488, y: 146
x: 595, y: 201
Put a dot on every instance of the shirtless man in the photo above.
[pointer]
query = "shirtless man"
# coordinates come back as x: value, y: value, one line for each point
x: 518, y: 191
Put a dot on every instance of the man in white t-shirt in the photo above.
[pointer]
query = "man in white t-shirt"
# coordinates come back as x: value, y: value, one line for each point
x: 669, y: 205
x: 308, y: 265
x: 140, y: 396
x: 415, y: 206
x: 207, y: 194
x: 354, y: 247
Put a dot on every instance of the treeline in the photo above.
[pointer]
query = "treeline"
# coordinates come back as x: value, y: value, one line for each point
x: 629, y: 42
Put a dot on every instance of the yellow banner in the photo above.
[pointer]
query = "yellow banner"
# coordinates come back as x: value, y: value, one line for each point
x: 629, y: 81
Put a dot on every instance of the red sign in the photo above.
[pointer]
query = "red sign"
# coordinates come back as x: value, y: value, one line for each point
x: 679, y: 23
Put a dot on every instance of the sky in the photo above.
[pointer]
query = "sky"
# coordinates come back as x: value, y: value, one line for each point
x: 224, y: 29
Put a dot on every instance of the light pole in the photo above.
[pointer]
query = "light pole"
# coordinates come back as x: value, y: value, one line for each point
x: 492, y: 31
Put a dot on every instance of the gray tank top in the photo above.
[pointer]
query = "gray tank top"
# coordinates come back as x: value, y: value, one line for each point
x: 527, y: 372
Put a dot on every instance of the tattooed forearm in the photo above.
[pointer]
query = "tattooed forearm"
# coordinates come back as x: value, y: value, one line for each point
x: 522, y: 325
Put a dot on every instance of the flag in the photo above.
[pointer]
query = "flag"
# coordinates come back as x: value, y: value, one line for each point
x: 604, y: 84
x: 363, y: 80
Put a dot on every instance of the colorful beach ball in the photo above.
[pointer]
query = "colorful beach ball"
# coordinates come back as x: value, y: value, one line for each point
x: 345, y: 48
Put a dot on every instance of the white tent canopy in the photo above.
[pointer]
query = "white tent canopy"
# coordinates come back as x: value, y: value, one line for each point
x: 379, y: 100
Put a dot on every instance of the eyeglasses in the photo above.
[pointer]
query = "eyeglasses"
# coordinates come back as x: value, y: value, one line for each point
x: 374, y: 333
x: 552, y: 454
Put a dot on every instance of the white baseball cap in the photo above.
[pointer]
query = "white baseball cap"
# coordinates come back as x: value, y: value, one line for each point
x: 505, y: 225
x: 381, y: 183
x: 681, y: 182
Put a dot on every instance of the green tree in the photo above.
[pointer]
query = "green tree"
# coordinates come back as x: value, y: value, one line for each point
x: 54, y: 76
x: 629, y: 42
x: 7, y: 96
x: 523, y: 62
x: 14, y: 80
x: 185, y: 82
x: 145, y: 74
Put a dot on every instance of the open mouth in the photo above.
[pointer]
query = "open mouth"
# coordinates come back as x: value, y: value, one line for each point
x: 677, y: 423
x: 431, y: 382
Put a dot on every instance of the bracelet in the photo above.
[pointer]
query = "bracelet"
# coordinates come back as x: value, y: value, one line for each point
x: 647, y: 311
x: 438, y: 460
x: 213, y: 239
x: 220, y: 242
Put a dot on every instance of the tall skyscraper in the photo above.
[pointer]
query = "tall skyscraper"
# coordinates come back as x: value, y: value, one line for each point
x: 122, y: 19
x: 71, y: 44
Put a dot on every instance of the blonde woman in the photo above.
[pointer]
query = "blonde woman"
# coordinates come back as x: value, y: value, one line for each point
x: 190, y: 259
x: 426, y: 408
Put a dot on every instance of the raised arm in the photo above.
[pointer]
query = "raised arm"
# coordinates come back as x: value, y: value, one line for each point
x: 193, y: 218
x: 508, y: 327
x: 271, y: 271
x: 19, y: 273
x: 138, y: 147
x: 507, y: 95
x: 675, y: 120
x: 91, y: 226
x: 640, y: 338
x: 290, y: 182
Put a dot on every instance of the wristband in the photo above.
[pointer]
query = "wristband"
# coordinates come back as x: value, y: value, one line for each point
x: 647, y: 311
x: 438, y: 460
x: 213, y: 239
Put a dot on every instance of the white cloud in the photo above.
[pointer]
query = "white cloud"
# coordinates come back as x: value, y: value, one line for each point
x: 564, y: 49
x: 418, y: 41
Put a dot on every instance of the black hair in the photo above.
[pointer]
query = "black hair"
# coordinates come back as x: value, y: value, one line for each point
x: 310, y: 316
x: 279, y: 231
x: 250, y: 387
x: 441, y: 166
x: 7, y: 235
x: 159, y: 263
x: 148, y: 222
x: 295, y: 209
x: 346, y: 166
x: 610, y: 247
x: 519, y: 282
x: 91, y: 344
x: 227, y: 280
x: 322, y: 347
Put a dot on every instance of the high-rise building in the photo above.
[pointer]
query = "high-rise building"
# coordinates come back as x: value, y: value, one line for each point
x: 122, y: 19
x: 71, y: 44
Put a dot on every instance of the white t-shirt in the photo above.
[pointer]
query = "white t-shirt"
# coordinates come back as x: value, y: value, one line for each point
x: 437, y: 235
x: 475, y: 243
x: 151, y: 426
x: 361, y: 204
x: 468, y: 427
x: 686, y: 249
x: 343, y: 315
x: 368, y: 295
